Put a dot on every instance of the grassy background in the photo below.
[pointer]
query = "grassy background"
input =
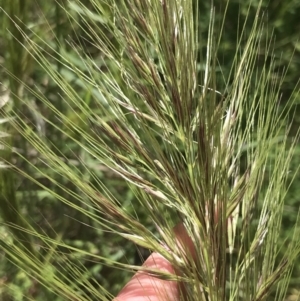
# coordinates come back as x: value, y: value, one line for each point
x: 62, y: 222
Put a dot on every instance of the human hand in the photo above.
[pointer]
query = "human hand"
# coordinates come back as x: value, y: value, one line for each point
x: 144, y: 287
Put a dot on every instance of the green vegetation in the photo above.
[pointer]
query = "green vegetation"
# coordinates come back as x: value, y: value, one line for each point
x: 121, y: 118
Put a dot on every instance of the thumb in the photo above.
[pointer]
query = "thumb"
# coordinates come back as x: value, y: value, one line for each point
x: 144, y: 287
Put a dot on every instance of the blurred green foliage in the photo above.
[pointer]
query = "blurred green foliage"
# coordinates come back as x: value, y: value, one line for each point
x: 59, y: 221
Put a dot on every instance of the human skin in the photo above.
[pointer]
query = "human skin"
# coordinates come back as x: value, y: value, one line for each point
x: 144, y: 287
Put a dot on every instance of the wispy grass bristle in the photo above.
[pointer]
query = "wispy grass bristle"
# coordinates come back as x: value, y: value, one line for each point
x: 196, y: 146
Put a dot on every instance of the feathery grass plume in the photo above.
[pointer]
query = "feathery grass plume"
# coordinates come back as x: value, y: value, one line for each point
x: 194, y: 145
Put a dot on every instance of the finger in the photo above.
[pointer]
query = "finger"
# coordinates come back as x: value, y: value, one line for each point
x: 144, y: 287
x: 184, y: 241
